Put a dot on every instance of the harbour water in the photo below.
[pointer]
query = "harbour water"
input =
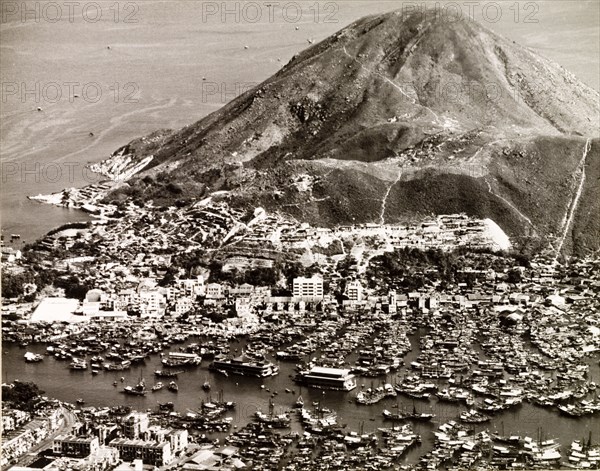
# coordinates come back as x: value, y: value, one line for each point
x: 57, y: 380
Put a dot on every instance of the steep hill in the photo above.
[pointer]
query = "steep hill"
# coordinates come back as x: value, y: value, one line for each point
x: 398, y: 116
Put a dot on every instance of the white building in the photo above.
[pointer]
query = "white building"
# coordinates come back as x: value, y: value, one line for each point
x: 56, y: 310
x: 308, y: 288
x: 192, y: 287
x: 214, y: 291
x: 243, y: 306
x: 183, y: 305
x: 135, y: 425
x: 354, y: 291
x: 152, y: 303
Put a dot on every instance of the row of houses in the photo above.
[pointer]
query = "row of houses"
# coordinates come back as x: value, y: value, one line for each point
x: 22, y: 438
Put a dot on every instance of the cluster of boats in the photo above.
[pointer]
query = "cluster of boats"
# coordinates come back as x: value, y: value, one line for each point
x: 387, y: 352
x: 474, y: 417
x: 172, y: 386
x: 114, y: 352
x: 321, y: 420
x: 414, y: 415
x: 260, y: 447
x: 273, y: 420
x: 140, y: 388
x: 374, y: 395
x: 375, y: 359
x: 450, y: 367
x: 583, y: 455
x: 210, y: 416
x: 396, y: 441
x: 580, y: 409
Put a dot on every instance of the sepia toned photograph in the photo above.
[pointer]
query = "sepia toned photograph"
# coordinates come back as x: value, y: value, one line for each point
x: 351, y: 235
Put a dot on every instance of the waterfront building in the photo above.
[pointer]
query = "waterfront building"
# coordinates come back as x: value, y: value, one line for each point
x: 243, y: 306
x: 14, y: 444
x: 152, y: 453
x: 135, y: 424
x: 13, y: 418
x: 105, y: 458
x: 392, y: 302
x: 178, y: 440
x: 98, y: 296
x: 56, y: 310
x: 74, y: 446
x: 126, y: 298
x: 183, y: 305
x: 152, y: 303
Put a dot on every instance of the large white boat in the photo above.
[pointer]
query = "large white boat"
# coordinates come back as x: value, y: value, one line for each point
x: 245, y: 366
x: 33, y: 357
x: 182, y: 359
x: 328, y: 378
x: 78, y: 364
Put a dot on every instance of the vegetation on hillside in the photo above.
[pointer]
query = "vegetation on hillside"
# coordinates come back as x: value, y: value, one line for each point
x: 23, y: 396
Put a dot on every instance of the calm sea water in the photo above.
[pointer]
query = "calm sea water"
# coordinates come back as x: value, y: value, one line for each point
x: 152, y: 75
x: 57, y: 380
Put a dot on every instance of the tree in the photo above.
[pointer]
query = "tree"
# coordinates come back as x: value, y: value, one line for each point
x: 23, y: 395
x: 514, y: 276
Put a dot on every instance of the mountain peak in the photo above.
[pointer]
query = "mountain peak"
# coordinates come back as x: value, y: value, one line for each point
x: 397, y: 99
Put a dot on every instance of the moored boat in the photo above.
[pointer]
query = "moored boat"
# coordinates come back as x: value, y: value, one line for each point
x: 167, y: 374
x: 137, y: 390
x: 474, y: 417
x: 370, y: 396
x: 181, y: 359
x: 33, y: 357
x: 78, y: 364
x: 328, y: 378
x: 273, y: 420
x: 244, y: 366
